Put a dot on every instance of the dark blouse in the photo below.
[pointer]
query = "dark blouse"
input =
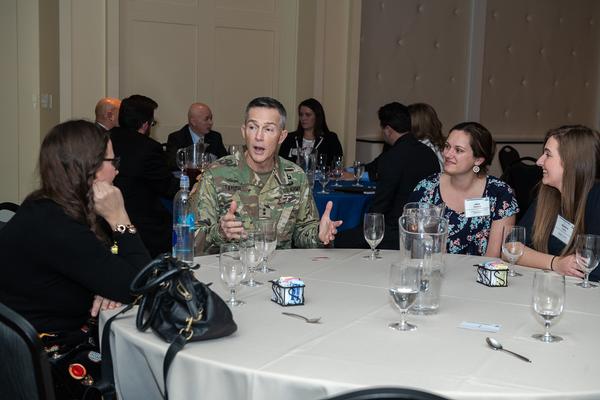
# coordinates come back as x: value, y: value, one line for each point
x: 52, y: 266
x: 591, y: 221
x: 327, y: 144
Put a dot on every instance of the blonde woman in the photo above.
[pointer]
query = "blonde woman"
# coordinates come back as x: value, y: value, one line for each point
x: 568, y: 201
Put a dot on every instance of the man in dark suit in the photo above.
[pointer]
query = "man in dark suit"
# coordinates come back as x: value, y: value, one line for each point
x: 198, y: 129
x: 143, y: 173
x: 399, y: 169
x: 107, y: 113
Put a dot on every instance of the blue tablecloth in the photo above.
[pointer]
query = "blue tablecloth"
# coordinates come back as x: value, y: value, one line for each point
x: 349, y: 207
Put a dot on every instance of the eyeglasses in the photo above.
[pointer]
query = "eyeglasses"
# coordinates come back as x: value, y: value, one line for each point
x: 154, y: 122
x: 114, y: 161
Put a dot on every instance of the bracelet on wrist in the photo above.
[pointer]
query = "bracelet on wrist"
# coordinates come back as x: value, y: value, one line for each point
x: 552, y: 263
x: 129, y: 228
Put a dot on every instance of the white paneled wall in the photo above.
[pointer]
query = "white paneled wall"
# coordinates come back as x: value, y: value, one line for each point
x: 520, y: 67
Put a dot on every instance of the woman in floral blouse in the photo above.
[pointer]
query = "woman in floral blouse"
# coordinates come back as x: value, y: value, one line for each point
x: 478, y: 205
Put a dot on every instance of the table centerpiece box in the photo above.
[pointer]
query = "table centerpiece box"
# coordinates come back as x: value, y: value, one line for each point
x: 288, y: 291
x: 492, y: 274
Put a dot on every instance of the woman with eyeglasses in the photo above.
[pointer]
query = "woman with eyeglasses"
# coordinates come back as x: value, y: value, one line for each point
x: 69, y: 248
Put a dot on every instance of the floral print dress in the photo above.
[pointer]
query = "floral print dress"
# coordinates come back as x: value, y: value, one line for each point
x: 469, y: 235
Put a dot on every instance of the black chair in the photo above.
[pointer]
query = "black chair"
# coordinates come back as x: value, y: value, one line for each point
x: 24, y: 369
x: 523, y: 176
x: 7, y: 210
x: 507, y: 156
x: 387, y: 393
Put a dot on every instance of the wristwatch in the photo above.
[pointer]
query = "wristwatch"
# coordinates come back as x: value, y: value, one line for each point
x: 120, y: 228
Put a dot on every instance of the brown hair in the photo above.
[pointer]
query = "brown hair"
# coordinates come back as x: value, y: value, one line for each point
x: 481, y: 142
x: 425, y: 124
x: 579, y: 150
x: 70, y: 155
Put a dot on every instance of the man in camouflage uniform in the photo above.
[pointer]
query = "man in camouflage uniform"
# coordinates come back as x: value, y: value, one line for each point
x: 236, y: 191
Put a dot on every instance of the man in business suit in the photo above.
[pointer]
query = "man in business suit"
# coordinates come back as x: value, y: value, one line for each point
x: 143, y: 173
x: 399, y: 169
x: 107, y: 113
x: 198, y: 129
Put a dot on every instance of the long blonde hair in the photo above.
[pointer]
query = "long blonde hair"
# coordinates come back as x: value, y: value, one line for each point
x: 579, y: 150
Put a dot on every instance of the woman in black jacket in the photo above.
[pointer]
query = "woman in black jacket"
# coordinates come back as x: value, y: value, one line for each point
x: 312, y: 133
x: 70, y: 248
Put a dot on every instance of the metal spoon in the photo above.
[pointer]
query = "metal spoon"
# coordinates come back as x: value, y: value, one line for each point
x: 496, y: 345
x: 309, y: 320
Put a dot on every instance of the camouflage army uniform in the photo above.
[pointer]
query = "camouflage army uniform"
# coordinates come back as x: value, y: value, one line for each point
x: 285, y: 197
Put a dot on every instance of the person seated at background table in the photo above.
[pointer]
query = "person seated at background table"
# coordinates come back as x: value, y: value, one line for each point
x: 312, y: 133
x: 239, y: 189
x: 399, y: 169
x: 144, y: 176
x: 465, y: 187
x: 568, y: 202
x: 70, y: 240
x: 198, y: 129
x: 427, y: 128
x: 107, y: 113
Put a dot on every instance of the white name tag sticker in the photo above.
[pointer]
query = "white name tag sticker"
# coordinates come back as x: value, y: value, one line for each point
x: 563, y: 230
x: 477, y: 207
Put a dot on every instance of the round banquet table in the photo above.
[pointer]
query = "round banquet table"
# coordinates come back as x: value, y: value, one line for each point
x: 347, y: 206
x: 273, y: 356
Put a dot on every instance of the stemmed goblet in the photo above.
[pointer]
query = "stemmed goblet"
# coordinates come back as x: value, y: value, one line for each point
x: 373, y: 229
x: 232, y: 270
x: 548, y: 301
x: 405, y: 282
x: 587, y: 255
x: 324, y: 177
x: 251, y: 257
x: 359, y: 169
x: 513, y: 244
x: 337, y: 169
x: 266, y: 236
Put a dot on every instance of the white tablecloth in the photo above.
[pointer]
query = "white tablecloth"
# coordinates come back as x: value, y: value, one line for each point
x: 273, y: 356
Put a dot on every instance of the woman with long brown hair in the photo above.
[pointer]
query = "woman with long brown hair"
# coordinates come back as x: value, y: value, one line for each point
x: 70, y: 241
x: 427, y: 128
x: 568, y: 201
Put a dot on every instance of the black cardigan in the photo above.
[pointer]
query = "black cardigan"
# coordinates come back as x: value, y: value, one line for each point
x: 326, y: 144
x: 52, y: 266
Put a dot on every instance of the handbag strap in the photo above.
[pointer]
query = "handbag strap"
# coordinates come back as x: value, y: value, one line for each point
x: 177, y: 344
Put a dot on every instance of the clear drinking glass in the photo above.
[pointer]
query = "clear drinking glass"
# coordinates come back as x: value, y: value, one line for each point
x: 513, y: 244
x: 232, y: 270
x: 548, y: 301
x: 266, y: 229
x: 337, y: 169
x: 405, y: 283
x: 251, y: 257
x: 359, y: 169
x: 234, y: 149
x: 587, y: 254
x: 373, y: 229
x: 324, y: 178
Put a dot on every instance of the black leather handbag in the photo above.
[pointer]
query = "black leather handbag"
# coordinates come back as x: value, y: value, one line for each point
x: 178, y: 307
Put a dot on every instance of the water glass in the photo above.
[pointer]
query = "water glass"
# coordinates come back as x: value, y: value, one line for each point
x: 234, y: 150
x: 337, y: 169
x: 373, y: 229
x: 251, y: 257
x: 405, y: 282
x: 232, y: 270
x: 324, y: 178
x: 359, y: 170
x: 513, y: 244
x: 266, y: 230
x: 587, y: 254
x: 548, y: 301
